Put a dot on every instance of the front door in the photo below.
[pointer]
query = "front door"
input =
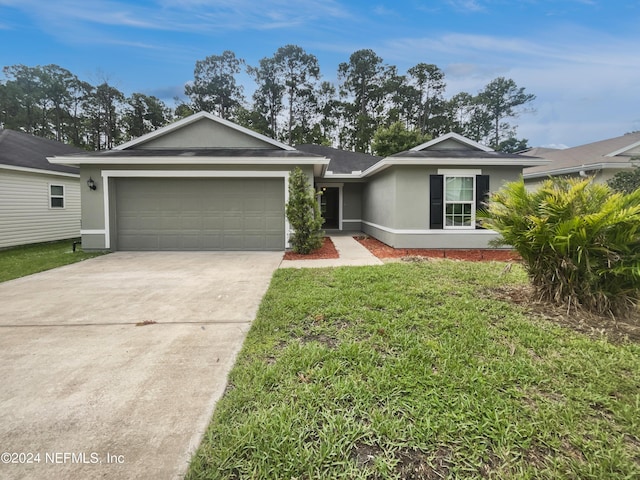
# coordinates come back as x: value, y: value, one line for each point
x: 330, y: 207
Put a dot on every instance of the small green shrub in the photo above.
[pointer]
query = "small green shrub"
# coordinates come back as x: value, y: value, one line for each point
x: 626, y: 181
x: 303, y: 213
x: 580, y: 242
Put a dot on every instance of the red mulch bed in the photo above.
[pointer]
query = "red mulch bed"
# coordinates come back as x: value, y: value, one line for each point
x: 327, y: 250
x: 382, y: 250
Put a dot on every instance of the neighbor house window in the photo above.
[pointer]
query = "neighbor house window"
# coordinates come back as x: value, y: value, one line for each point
x: 56, y: 196
x: 459, y: 202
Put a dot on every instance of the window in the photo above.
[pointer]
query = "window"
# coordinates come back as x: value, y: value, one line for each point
x: 459, y: 199
x: 454, y: 196
x: 56, y: 196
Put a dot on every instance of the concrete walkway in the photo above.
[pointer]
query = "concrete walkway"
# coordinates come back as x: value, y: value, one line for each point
x: 350, y: 251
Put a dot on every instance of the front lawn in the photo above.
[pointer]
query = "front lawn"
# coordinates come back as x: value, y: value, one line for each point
x: 17, y: 262
x: 417, y: 371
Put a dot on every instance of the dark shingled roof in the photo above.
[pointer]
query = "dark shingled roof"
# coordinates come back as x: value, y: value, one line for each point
x: 342, y: 161
x: 456, y: 154
x: 19, y: 149
x: 195, y: 152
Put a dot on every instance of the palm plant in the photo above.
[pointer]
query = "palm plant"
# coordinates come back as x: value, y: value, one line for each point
x: 580, y: 242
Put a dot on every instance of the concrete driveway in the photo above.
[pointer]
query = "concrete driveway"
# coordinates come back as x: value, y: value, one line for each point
x: 85, y: 392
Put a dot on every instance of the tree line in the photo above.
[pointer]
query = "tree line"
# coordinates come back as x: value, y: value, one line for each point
x: 372, y: 108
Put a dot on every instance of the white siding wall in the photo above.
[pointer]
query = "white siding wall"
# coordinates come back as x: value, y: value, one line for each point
x: 25, y: 216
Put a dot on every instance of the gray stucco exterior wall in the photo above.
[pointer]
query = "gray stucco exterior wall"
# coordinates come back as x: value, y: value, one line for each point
x: 379, y: 199
x: 352, y: 207
x: 201, y: 134
x: 396, y: 208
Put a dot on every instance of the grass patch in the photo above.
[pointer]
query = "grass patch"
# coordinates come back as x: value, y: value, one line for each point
x: 20, y: 261
x: 410, y: 371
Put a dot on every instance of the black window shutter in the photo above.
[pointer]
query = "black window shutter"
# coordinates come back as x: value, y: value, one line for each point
x: 436, y: 197
x: 482, y: 192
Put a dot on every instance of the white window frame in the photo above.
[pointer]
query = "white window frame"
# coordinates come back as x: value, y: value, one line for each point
x: 52, y: 196
x: 447, y: 173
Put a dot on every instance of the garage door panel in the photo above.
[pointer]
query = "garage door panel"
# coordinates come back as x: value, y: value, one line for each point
x: 168, y: 241
x: 189, y: 241
x: 211, y: 222
x: 256, y: 243
x: 272, y: 242
x: 144, y: 221
x: 148, y: 205
x: 232, y: 205
x: 214, y: 241
x: 141, y: 241
x: 274, y: 223
x: 254, y: 205
x: 200, y: 214
x: 255, y: 224
x: 232, y: 222
x: 190, y: 223
x: 232, y: 241
x: 128, y: 222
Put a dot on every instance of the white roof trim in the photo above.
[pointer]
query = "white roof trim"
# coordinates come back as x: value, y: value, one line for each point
x: 449, y: 162
x: 331, y: 175
x: 453, y: 136
x: 623, y: 149
x: 177, y: 160
x: 586, y: 168
x: 442, y: 163
x: 40, y: 171
x: 194, y: 118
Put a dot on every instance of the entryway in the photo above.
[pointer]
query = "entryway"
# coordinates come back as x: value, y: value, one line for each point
x: 330, y: 207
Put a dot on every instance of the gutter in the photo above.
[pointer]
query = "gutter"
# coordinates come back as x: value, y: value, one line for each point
x: 438, y: 162
x: 577, y: 169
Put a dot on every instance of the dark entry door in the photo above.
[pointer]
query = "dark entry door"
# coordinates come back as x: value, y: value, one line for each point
x: 330, y: 206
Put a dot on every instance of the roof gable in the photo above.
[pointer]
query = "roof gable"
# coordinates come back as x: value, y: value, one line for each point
x: 629, y: 150
x: 451, y: 141
x: 202, y: 130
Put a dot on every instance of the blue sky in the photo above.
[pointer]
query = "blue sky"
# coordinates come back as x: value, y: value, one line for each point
x: 581, y: 58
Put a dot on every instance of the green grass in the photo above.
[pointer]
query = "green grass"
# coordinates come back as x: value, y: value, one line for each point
x: 17, y: 262
x: 414, y: 371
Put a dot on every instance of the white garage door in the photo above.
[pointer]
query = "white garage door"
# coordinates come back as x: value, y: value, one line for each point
x: 200, y: 214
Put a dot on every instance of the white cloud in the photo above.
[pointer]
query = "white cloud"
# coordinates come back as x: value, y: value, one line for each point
x: 181, y: 15
x: 467, y: 6
x: 586, y: 82
x: 383, y: 11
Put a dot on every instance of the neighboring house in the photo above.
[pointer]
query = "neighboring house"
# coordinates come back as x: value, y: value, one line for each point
x: 601, y: 160
x: 39, y: 201
x: 204, y: 183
